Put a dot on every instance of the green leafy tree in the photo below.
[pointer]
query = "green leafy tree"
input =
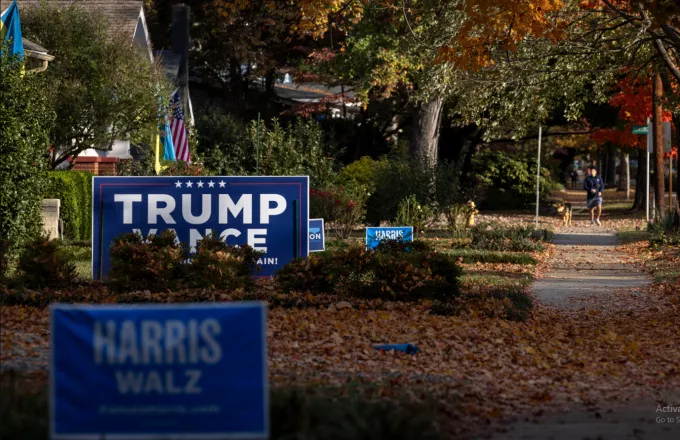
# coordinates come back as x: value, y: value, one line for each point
x: 25, y: 118
x: 100, y: 85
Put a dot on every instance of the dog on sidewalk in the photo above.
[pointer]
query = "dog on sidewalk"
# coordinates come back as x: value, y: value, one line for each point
x: 565, y: 210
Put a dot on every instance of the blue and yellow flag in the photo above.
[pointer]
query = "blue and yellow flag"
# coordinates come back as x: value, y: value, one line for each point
x: 10, y: 30
x: 166, y: 140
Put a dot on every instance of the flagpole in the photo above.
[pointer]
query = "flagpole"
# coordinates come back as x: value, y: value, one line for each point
x: 538, y: 173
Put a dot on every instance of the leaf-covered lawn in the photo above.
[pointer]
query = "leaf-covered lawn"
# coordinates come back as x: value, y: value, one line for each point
x: 494, y: 368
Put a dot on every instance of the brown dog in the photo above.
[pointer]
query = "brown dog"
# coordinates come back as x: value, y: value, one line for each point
x: 565, y: 210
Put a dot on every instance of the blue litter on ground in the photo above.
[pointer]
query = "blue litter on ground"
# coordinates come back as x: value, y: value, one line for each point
x: 404, y: 348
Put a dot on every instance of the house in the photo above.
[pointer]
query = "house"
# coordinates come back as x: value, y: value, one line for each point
x: 126, y: 17
x: 37, y: 57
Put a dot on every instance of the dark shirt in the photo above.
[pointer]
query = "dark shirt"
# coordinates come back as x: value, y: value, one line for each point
x: 595, y: 183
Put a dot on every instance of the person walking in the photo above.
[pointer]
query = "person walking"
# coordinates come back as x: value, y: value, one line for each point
x: 594, y: 187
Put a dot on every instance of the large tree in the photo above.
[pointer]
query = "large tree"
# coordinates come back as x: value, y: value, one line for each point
x: 101, y: 86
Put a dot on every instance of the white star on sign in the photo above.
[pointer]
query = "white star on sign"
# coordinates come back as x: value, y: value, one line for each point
x: 211, y: 184
x: 178, y: 184
x: 222, y: 183
x: 190, y: 184
x: 200, y: 184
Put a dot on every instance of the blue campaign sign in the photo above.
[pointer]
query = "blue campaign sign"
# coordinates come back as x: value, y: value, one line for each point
x: 317, y: 236
x: 268, y: 213
x: 376, y: 235
x: 159, y: 371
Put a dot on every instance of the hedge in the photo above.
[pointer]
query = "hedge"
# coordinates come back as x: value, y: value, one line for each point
x: 74, y: 189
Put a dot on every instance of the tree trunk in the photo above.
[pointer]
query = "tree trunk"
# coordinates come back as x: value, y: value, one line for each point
x: 665, y: 78
x: 424, y: 146
x: 640, y: 182
x: 611, y: 166
x: 657, y: 162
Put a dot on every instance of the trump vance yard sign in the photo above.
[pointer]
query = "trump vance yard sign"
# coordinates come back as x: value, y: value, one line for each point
x: 269, y: 213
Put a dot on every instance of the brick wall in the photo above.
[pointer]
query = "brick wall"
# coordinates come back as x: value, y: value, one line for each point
x: 101, y: 166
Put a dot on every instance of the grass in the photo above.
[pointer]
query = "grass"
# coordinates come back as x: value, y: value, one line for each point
x: 320, y: 413
x: 84, y: 269
x: 472, y: 256
x: 496, y: 279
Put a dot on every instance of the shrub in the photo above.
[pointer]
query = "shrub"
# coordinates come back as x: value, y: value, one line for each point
x: 459, y: 218
x: 217, y: 265
x: 231, y: 147
x: 153, y: 263
x: 146, y: 167
x: 361, y: 174
x: 43, y: 264
x: 223, y: 143
x: 396, y: 180
x: 159, y: 263
x: 25, y: 120
x: 508, y: 238
x: 316, y: 273
x: 342, y: 210
x: 398, y: 271
x: 508, y: 181
x: 412, y: 213
x: 74, y: 189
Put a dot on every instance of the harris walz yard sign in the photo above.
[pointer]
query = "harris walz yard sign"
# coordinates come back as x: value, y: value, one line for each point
x: 270, y: 213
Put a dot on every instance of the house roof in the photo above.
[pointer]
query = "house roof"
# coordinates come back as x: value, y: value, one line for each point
x: 169, y: 62
x: 35, y: 50
x: 310, y: 92
x: 122, y: 15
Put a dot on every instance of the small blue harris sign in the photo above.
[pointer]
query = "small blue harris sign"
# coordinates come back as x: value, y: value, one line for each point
x: 317, y: 237
x: 375, y: 235
x: 159, y: 371
x: 269, y: 213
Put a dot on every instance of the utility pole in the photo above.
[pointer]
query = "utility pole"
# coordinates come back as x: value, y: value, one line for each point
x: 657, y: 123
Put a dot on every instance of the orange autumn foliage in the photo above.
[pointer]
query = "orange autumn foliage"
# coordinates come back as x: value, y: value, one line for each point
x: 634, y: 101
x: 487, y: 23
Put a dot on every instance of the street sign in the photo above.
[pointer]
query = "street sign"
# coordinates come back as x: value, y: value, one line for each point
x: 640, y: 129
x: 269, y: 213
x: 375, y: 235
x: 163, y: 371
x: 317, y: 237
x: 667, y: 137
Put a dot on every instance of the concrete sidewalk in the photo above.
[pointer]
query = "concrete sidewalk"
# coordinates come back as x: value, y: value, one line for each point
x: 585, y: 264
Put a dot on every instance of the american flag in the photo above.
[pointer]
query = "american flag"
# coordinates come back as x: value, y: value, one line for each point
x: 179, y: 133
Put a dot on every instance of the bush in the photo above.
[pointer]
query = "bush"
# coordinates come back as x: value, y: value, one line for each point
x: 361, y: 174
x: 412, y: 213
x: 508, y: 238
x: 25, y: 120
x: 223, y: 143
x: 74, y: 189
x: 153, y: 263
x: 508, y: 181
x: 159, y: 263
x: 44, y: 264
x: 346, y: 413
x: 145, y: 167
x: 231, y: 147
x: 398, y: 271
x: 217, y: 265
x: 396, y: 180
x: 459, y: 217
x: 341, y: 210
